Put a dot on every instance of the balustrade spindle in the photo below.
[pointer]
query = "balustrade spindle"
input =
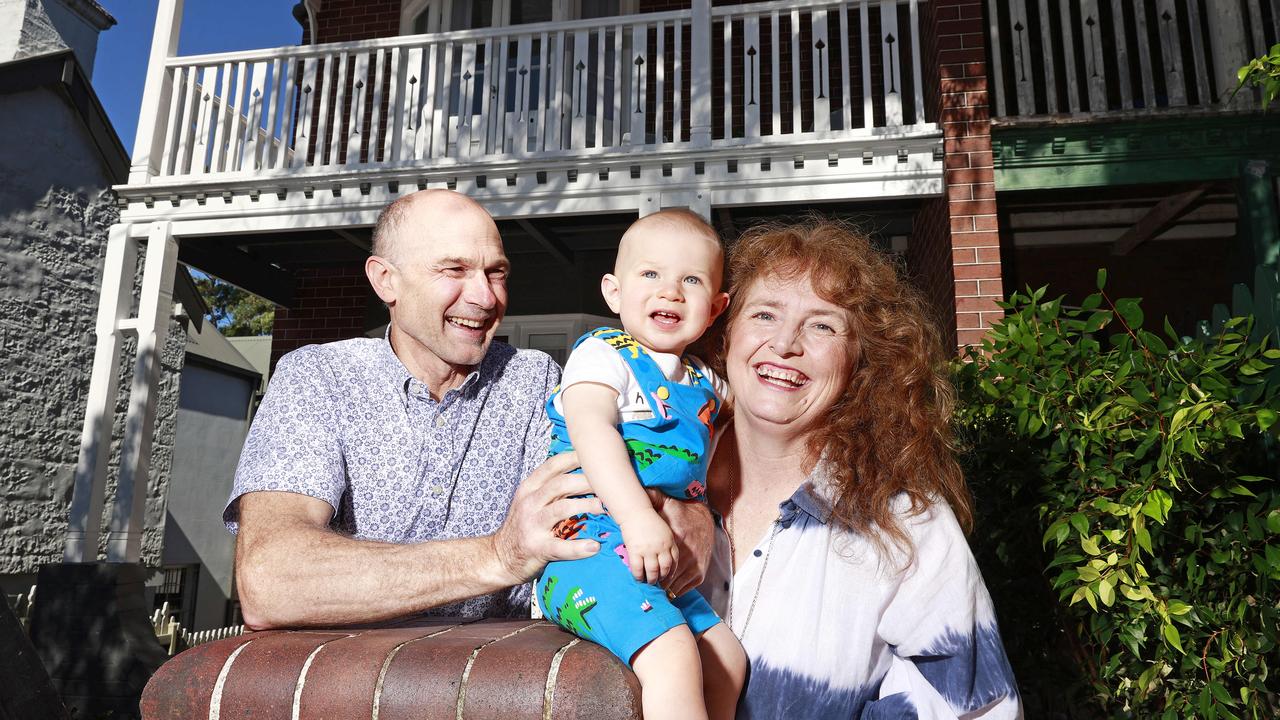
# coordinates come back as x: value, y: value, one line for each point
x: 640, y: 49
x: 751, y: 77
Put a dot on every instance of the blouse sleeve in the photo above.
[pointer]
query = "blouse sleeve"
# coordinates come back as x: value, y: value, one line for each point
x: 949, y: 659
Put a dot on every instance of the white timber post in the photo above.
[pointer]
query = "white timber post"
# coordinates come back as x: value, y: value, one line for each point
x: 1230, y: 50
x: 155, y: 305
x: 153, y: 119
x: 85, y: 521
x: 700, y: 75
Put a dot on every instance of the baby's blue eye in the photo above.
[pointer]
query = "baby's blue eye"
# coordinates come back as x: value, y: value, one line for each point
x: 648, y: 274
x: 693, y: 280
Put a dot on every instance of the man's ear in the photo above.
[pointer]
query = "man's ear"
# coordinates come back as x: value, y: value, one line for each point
x: 612, y: 293
x: 381, y: 274
x: 718, y: 303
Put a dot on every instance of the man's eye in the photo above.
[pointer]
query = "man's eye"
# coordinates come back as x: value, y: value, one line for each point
x: 498, y: 274
x: 648, y: 274
x: 693, y: 280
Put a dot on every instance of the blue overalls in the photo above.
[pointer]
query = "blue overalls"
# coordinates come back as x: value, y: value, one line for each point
x: 596, y: 598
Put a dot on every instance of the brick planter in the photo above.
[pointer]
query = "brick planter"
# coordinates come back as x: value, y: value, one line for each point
x: 420, y: 669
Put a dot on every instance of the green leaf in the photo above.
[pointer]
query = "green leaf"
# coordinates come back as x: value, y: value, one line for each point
x: 1130, y: 311
x: 1097, y: 321
x: 1266, y: 418
x: 1102, y: 272
x: 1144, y: 539
x: 1177, y: 607
x: 1221, y: 695
x: 1090, y: 546
x: 1106, y: 593
x: 1157, y: 505
x: 1080, y: 523
x: 1172, y: 637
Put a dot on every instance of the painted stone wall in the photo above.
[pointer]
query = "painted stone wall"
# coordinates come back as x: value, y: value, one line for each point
x: 54, y: 217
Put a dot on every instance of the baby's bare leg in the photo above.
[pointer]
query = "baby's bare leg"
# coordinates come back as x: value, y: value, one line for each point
x: 670, y: 673
x: 724, y: 669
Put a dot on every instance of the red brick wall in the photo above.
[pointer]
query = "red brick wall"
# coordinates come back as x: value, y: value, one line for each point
x: 331, y: 305
x: 343, y: 20
x: 963, y: 221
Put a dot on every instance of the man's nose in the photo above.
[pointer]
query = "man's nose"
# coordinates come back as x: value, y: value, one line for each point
x: 479, y: 292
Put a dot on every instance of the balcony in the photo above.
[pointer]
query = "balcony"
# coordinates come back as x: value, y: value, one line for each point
x: 1102, y: 59
x: 762, y: 97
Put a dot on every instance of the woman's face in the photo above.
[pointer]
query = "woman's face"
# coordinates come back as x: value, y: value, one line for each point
x: 789, y: 356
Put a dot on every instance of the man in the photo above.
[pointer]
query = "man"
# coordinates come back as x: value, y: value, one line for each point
x: 377, y: 476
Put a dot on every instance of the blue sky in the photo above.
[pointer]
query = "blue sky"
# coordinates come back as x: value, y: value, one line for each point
x: 207, y: 26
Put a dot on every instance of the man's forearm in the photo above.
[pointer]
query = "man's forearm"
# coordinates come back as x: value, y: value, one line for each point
x: 303, y: 575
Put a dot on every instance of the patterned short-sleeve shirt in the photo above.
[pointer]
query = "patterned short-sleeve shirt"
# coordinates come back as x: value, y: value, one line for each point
x: 347, y: 423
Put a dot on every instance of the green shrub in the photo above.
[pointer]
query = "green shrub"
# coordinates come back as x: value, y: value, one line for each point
x: 1142, y: 463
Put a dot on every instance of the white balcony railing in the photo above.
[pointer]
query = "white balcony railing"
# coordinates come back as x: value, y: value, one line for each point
x: 1101, y: 57
x: 767, y: 72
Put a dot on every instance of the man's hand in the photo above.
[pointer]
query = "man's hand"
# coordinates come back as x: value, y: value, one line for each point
x: 694, y: 531
x: 651, y: 549
x: 525, y: 542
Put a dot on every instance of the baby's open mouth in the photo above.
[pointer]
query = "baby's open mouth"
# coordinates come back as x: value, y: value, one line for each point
x: 662, y: 317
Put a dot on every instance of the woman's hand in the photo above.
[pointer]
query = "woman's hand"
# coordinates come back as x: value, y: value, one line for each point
x: 651, y: 548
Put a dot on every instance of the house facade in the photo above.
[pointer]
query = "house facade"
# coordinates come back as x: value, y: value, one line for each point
x: 990, y: 143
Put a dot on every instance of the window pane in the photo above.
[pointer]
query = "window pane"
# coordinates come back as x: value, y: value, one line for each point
x: 600, y: 8
x: 531, y: 11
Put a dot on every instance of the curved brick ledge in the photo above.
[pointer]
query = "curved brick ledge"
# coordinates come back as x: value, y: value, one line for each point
x: 422, y: 669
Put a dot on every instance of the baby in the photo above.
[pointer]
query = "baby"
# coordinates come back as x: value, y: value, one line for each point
x: 640, y: 414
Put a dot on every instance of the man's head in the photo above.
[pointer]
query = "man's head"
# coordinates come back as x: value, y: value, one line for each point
x: 665, y: 283
x: 439, y: 266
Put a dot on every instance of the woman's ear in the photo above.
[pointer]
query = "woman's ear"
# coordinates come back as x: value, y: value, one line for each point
x: 381, y: 274
x: 612, y: 293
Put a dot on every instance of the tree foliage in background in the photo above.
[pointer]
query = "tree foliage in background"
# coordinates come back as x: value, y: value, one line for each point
x: 1263, y: 72
x: 1144, y: 461
x: 234, y: 311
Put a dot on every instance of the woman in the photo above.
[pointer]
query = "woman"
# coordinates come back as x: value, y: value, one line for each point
x: 840, y: 560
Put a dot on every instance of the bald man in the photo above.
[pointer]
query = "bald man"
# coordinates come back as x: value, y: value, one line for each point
x: 383, y: 477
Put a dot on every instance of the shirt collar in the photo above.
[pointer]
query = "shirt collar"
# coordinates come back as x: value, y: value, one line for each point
x: 394, y: 369
x: 811, y: 498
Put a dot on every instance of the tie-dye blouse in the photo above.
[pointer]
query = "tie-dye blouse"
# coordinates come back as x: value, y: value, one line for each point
x: 835, y: 632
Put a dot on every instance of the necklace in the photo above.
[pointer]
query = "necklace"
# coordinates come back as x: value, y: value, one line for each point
x: 733, y: 571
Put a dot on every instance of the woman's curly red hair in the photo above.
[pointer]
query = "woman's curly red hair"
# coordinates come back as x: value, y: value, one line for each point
x: 889, y: 432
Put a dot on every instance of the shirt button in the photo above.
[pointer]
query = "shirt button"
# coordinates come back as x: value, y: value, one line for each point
x: 726, y: 585
x: 440, y: 421
x: 756, y: 553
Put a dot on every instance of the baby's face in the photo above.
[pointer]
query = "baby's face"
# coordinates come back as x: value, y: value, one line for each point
x: 666, y: 286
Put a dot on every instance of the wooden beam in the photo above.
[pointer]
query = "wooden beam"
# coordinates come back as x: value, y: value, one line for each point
x: 365, y: 245
x: 1158, y: 219
x: 230, y: 264
x: 550, y: 243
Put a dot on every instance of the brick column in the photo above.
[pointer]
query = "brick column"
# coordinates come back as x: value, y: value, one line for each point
x: 963, y: 221
x: 332, y: 302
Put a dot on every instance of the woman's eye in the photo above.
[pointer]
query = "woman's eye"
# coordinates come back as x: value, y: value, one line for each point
x: 762, y: 315
x: 648, y: 274
x: 693, y: 280
x: 823, y: 327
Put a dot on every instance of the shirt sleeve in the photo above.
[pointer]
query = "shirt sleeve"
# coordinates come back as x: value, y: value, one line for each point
x: 594, y: 361
x: 941, y: 621
x: 294, y: 444
x: 536, y: 443
x: 718, y: 384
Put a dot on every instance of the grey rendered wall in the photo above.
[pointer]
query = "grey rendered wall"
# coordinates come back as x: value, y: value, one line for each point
x: 212, y: 416
x: 54, y: 217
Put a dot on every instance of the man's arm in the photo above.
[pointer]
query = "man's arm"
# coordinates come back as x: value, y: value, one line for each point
x: 292, y: 570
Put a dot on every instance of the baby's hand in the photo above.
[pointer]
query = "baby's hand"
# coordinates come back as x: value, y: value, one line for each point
x: 651, y: 548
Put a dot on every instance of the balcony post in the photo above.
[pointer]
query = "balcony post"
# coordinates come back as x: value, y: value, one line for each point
x: 148, y: 144
x: 700, y: 80
x: 1230, y: 50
